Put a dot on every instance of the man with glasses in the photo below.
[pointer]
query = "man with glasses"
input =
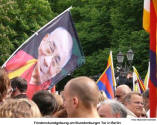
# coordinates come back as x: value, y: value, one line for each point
x: 134, y: 102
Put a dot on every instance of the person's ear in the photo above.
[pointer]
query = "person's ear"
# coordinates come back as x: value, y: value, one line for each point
x: 75, y: 102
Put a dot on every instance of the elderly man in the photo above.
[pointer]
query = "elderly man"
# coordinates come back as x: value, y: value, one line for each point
x: 40, y: 68
x: 81, y: 98
x: 134, y: 102
x: 54, y: 52
x: 121, y: 91
x: 112, y: 109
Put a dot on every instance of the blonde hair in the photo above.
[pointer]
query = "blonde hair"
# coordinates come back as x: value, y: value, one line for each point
x: 4, y: 83
x: 102, y: 96
x: 19, y: 108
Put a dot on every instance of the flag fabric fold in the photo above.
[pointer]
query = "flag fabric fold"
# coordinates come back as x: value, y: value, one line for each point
x: 146, y: 15
x: 48, y: 55
x: 138, y: 85
x: 106, y: 81
x: 147, y: 77
x: 152, y: 29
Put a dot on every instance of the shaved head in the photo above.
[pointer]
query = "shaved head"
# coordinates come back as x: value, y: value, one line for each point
x: 124, y: 88
x: 81, y: 98
x: 121, y: 91
x: 85, y: 89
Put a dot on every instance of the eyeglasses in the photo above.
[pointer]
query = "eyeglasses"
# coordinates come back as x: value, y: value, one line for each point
x: 118, y: 96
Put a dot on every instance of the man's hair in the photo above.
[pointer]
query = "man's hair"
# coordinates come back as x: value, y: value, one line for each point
x: 4, y: 83
x: 59, y: 100
x: 117, y: 107
x: 19, y: 108
x: 19, y: 83
x: 127, y: 98
x: 85, y: 89
x: 145, y: 94
x: 46, y: 102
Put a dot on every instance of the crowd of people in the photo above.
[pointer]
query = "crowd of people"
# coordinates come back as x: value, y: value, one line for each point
x: 80, y: 98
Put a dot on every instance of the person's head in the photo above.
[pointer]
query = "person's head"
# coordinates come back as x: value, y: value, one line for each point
x: 46, y: 102
x: 129, y: 75
x: 145, y: 96
x: 134, y: 102
x: 121, y: 91
x: 102, y: 96
x: 19, y: 86
x: 59, y: 100
x: 19, y: 108
x: 54, y: 52
x: 112, y: 109
x: 81, y: 97
x: 5, y: 87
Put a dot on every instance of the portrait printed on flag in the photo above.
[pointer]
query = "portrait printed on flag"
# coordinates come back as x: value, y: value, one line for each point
x: 48, y: 56
x: 54, y: 52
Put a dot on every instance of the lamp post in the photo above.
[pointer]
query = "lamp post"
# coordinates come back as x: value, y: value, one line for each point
x: 130, y: 56
x: 122, y: 70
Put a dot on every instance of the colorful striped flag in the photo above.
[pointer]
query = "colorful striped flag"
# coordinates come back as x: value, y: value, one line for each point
x: 106, y: 81
x: 151, y: 16
x: 146, y: 15
x: 138, y: 85
x: 110, y: 63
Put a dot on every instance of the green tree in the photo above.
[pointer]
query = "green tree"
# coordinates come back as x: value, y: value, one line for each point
x: 126, y: 19
x: 19, y: 20
x: 102, y: 25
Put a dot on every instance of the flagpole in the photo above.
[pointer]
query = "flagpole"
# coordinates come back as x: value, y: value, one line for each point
x: 114, y: 80
x: 36, y: 33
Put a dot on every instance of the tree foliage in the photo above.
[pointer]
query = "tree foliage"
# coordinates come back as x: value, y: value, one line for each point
x: 19, y: 20
x: 102, y: 25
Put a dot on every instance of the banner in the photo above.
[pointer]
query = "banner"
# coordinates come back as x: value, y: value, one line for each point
x: 106, y: 81
x: 147, y: 77
x: 138, y: 85
x: 150, y: 25
x: 48, y: 55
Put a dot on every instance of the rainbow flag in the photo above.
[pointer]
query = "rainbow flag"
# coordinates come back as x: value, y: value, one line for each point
x: 110, y: 63
x: 106, y: 81
x: 138, y: 85
x: 150, y: 25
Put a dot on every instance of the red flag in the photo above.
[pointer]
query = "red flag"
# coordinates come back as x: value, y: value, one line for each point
x: 150, y: 25
x: 153, y: 64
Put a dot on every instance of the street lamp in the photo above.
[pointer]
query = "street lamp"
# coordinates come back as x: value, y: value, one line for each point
x: 130, y: 56
x: 120, y: 57
x: 123, y: 70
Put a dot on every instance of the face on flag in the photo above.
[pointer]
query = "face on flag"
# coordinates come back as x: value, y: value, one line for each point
x: 54, y: 52
x: 47, y: 56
